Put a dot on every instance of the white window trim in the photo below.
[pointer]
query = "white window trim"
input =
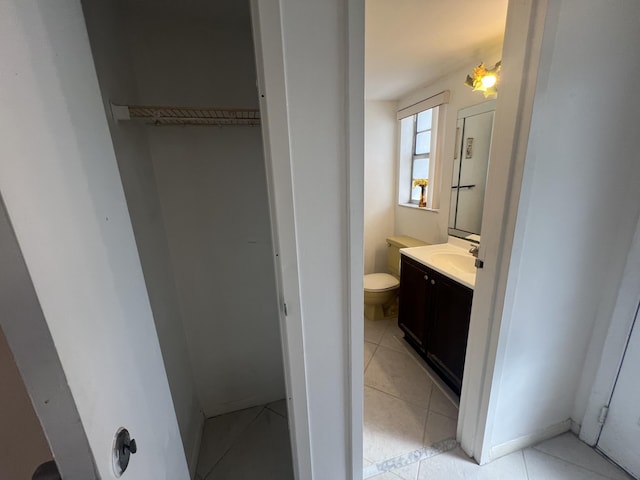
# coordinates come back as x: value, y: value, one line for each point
x: 431, y: 155
x: 435, y: 101
x: 406, y: 149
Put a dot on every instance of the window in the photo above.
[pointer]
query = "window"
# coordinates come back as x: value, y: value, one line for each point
x: 419, y: 150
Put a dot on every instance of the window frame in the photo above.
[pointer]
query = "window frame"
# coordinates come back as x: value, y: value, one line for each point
x: 415, y: 156
x: 406, y: 131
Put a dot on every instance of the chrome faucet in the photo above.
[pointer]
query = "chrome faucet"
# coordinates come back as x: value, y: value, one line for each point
x: 474, y: 249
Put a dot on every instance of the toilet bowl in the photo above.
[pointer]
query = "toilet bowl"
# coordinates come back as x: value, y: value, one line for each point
x: 380, y: 292
x: 381, y: 289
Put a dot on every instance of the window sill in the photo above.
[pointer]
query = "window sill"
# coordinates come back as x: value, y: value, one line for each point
x: 416, y: 207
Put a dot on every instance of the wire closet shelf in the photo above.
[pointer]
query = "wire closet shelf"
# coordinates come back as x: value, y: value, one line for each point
x: 163, y: 115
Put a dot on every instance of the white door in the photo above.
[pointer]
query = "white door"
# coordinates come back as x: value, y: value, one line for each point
x: 620, y: 437
x: 60, y: 184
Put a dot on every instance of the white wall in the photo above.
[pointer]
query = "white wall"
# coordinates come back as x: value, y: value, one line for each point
x: 379, y: 181
x: 579, y: 205
x: 213, y: 192
x: 60, y: 183
x: 117, y: 83
x: 23, y: 446
x: 428, y: 225
x: 212, y: 187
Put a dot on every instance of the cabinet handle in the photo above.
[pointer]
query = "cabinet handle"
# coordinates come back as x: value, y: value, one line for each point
x: 426, y: 277
x: 433, y: 282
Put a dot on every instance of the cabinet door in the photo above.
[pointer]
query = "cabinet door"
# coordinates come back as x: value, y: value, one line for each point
x: 448, y: 328
x: 413, y: 303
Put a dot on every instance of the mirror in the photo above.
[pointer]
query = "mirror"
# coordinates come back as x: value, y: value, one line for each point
x: 471, y: 162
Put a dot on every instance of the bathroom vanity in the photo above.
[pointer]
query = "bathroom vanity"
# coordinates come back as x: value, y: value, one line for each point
x: 437, y: 281
x: 436, y: 291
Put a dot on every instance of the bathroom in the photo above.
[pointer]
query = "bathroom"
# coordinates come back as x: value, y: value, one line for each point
x: 403, y: 389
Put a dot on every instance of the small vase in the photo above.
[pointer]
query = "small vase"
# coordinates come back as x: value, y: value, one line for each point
x: 423, y: 198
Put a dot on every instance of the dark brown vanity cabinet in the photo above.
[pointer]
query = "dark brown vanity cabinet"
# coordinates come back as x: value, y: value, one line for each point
x: 434, y: 313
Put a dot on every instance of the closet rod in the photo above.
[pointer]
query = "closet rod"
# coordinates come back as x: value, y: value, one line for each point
x: 166, y: 115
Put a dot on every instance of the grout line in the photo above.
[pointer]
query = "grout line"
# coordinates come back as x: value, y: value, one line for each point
x: 286, y: 417
x: 426, y: 420
x: 383, y: 331
x: 524, y: 460
x: 418, y: 471
x: 234, y: 442
x: 401, y: 399
x: 370, y: 359
x: 609, y: 460
x: 582, y: 467
x: 437, y: 381
x: 427, y: 378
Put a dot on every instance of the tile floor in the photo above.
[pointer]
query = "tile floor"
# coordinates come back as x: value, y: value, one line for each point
x: 561, y: 458
x: 410, y: 427
x: 405, y: 413
x: 247, y: 444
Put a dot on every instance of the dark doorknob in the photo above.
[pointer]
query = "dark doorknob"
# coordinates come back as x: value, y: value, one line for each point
x: 123, y: 448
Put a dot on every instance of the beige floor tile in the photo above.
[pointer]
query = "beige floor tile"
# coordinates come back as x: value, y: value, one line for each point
x: 393, y: 338
x: 541, y: 466
x: 386, y: 476
x: 392, y: 427
x: 569, y: 448
x: 438, y: 428
x: 262, y: 451
x: 219, y: 434
x: 410, y: 472
x: 369, y: 349
x: 398, y: 374
x: 455, y: 465
x: 374, y: 330
x: 442, y: 405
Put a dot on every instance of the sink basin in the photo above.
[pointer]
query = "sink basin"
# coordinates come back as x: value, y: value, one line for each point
x: 447, y: 260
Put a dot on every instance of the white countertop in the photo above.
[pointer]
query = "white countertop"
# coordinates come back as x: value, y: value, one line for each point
x: 448, y: 259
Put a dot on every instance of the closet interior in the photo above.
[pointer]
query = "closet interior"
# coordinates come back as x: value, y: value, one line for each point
x: 178, y: 83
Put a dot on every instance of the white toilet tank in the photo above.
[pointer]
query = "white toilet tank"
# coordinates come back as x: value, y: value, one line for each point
x: 394, y: 244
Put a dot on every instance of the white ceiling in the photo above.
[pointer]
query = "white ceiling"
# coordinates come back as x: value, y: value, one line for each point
x: 410, y: 43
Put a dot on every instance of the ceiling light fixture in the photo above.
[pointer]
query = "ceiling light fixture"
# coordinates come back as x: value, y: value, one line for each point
x: 485, y: 79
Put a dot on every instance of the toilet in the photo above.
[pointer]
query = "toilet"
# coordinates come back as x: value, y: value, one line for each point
x: 381, y: 289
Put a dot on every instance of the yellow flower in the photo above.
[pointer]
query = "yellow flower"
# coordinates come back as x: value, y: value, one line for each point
x: 420, y: 182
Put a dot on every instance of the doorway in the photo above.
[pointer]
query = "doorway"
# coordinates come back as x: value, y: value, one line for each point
x: 620, y: 435
x: 410, y: 413
x: 184, y: 118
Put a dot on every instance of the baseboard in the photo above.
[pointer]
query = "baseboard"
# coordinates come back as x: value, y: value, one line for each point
x: 575, y: 427
x: 525, y: 441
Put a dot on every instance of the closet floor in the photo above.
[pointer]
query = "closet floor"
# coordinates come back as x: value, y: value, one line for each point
x: 247, y: 444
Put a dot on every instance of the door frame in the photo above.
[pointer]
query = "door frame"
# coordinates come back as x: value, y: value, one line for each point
x: 267, y: 35
x: 615, y: 345
x: 523, y: 41
x: 270, y: 62
x: 485, y: 353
